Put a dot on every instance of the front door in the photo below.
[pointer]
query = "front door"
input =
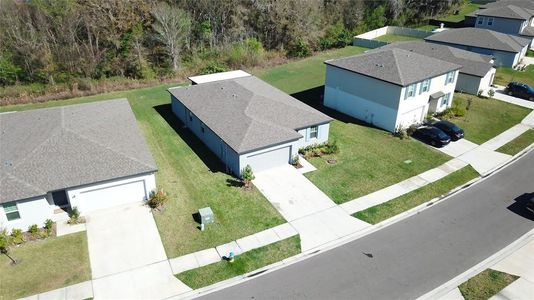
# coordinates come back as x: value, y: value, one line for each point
x: 60, y: 198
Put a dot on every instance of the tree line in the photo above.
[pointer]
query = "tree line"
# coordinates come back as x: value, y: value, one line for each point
x: 60, y: 41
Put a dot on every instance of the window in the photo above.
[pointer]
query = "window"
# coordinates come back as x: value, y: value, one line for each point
x: 445, y: 99
x: 480, y: 20
x: 202, y: 127
x: 410, y: 91
x: 425, y: 86
x: 450, y: 77
x: 12, y: 212
x: 490, y: 21
x: 314, y: 131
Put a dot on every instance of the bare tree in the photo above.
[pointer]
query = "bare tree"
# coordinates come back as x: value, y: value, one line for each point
x: 173, y: 26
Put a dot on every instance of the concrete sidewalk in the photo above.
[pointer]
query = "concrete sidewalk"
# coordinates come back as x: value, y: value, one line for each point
x: 500, y: 95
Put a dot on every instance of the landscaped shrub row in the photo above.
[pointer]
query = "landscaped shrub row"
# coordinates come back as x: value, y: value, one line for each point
x: 318, y: 150
x: 18, y: 237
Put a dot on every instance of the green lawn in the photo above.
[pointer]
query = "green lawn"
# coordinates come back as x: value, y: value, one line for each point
x: 519, y: 143
x: 464, y: 9
x: 381, y: 212
x: 487, y: 118
x: 244, y: 263
x: 396, y: 38
x: 426, y: 27
x: 486, y: 284
x: 45, y: 265
x: 506, y: 75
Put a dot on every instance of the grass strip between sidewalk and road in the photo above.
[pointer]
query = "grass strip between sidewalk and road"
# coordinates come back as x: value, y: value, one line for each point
x: 45, y: 265
x: 381, y: 212
x: 485, y: 284
x: 519, y: 143
x: 244, y: 263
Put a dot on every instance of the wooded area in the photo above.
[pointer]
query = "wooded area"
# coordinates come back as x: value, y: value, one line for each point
x: 74, y: 42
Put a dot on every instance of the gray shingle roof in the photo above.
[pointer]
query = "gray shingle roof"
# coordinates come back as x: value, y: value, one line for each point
x: 472, y: 63
x: 525, y: 4
x: 482, y: 38
x: 56, y: 148
x: 395, y: 65
x: 247, y: 113
x: 506, y: 11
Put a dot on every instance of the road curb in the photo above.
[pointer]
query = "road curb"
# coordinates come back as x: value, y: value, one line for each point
x: 488, y: 262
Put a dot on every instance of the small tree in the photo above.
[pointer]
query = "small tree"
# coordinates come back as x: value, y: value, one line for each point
x: 157, y: 199
x: 4, y: 246
x: 74, y: 216
x: 247, y: 176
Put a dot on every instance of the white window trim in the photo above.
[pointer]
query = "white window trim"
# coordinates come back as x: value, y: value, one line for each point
x: 16, y: 210
x: 490, y: 20
x: 425, y: 86
x: 312, y: 131
x: 445, y: 97
x: 408, y: 90
x: 450, y: 77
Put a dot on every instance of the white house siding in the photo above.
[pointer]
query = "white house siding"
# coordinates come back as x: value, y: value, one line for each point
x: 473, y: 84
x: 414, y: 110
x: 111, y: 193
x: 32, y: 211
x: 368, y: 99
x: 322, y: 136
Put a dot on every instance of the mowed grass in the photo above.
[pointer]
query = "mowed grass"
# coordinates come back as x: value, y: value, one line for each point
x: 384, y: 211
x: 507, y: 75
x: 485, y: 284
x: 487, y: 118
x: 244, y: 263
x: 397, y: 38
x: 519, y: 143
x: 45, y: 265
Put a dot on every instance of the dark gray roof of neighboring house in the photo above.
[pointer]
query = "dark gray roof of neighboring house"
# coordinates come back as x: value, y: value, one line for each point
x: 525, y: 4
x: 397, y: 66
x: 481, y: 38
x: 51, y: 149
x: 247, y: 113
x: 506, y: 11
x: 472, y: 63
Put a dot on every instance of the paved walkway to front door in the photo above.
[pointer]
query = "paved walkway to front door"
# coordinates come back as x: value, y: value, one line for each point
x: 127, y: 258
x: 313, y: 214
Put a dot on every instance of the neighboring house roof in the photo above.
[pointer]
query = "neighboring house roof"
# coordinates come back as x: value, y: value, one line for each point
x: 247, y: 113
x: 472, y: 63
x: 397, y: 66
x: 525, y: 4
x: 506, y: 11
x: 481, y: 38
x: 52, y: 149
x: 218, y: 76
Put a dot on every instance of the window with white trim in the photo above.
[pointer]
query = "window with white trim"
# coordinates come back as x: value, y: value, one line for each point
x: 450, y: 77
x: 480, y: 20
x: 445, y: 99
x: 314, y: 132
x: 12, y: 211
x: 410, y: 91
x: 490, y: 21
x: 425, y: 86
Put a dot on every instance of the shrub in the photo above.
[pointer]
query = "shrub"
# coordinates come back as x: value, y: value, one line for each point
x: 401, y: 133
x: 296, y: 160
x: 157, y: 199
x: 17, y: 236
x: 33, y: 230
x: 458, y: 111
x: 299, y: 48
x: 250, y: 52
x: 331, y: 148
x: 214, y: 67
x: 247, y: 175
x: 491, y: 93
x: 411, y: 130
x: 74, y: 216
x: 4, y: 242
x: 48, y: 224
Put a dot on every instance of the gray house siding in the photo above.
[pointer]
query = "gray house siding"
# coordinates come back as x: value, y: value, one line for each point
x: 502, y: 59
x: 510, y: 26
x: 468, y: 83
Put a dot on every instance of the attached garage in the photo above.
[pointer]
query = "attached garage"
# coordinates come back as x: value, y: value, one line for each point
x: 263, y: 160
x: 412, y: 117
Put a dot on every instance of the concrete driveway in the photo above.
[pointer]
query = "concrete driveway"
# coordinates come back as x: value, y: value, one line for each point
x: 458, y: 147
x: 316, y: 218
x: 500, y: 95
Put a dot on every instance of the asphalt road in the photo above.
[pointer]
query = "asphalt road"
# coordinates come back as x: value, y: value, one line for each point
x: 414, y: 256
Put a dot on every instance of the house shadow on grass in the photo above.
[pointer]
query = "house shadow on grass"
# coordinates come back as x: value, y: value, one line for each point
x: 202, y: 151
x: 314, y: 98
x: 520, y: 206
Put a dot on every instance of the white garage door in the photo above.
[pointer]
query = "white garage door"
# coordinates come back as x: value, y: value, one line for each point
x: 265, y: 160
x: 112, y: 196
x: 412, y: 117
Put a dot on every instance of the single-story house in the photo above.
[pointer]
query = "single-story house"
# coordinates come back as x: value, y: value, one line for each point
x: 477, y: 72
x: 511, y: 16
x: 90, y: 156
x: 245, y: 121
x: 508, y: 50
x: 389, y: 88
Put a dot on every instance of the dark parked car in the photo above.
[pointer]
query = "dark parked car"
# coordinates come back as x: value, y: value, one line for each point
x: 450, y: 129
x: 432, y: 135
x: 520, y: 90
x: 530, y: 205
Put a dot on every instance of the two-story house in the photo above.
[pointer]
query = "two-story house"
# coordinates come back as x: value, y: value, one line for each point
x: 389, y: 88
